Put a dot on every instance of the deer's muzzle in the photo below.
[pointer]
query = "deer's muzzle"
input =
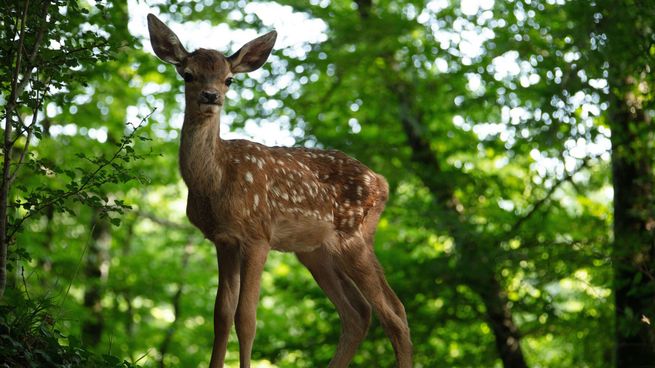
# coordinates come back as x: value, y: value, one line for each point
x: 209, y: 97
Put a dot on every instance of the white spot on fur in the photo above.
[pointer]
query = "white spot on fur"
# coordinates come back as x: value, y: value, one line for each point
x: 255, y: 201
x: 249, y: 177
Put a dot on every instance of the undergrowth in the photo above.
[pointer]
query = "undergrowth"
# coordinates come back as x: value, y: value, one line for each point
x: 29, y: 338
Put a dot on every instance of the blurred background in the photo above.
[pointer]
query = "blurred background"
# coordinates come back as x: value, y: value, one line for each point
x: 516, y: 135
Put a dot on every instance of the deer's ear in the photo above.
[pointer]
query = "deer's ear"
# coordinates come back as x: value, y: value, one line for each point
x: 253, y: 54
x: 164, y: 42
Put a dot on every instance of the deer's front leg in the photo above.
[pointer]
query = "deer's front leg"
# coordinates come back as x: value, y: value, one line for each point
x: 227, y: 298
x: 252, y: 266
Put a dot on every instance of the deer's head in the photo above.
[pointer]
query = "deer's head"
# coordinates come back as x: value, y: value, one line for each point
x: 207, y: 73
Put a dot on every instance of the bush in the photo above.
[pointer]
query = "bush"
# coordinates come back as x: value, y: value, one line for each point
x: 29, y: 338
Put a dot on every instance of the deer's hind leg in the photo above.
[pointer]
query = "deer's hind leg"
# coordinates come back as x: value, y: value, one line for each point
x: 361, y: 265
x: 354, y: 311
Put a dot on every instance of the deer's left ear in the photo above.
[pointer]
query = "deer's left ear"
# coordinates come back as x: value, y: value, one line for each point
x: 253, y: 54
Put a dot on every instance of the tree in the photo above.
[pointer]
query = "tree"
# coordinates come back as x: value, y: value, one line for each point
x: 629, y: 53
x: 54, y: 51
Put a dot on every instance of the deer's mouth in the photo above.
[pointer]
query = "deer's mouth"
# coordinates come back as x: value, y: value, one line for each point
x: 207, y: 103
x: 209, y: 107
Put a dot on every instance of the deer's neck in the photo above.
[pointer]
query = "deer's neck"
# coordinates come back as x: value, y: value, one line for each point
x: 200, y: 148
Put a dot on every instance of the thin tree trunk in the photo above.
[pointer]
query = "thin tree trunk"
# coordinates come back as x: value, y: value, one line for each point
x: 6, y: 151
x: 96, y: 266
x: 499, y: 318
x: 176, y: 300
x: 21, y: 75
x: 126, y: 293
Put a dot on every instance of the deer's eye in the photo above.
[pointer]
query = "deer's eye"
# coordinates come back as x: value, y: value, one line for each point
x: 187, y: 77
x: 229, y: 81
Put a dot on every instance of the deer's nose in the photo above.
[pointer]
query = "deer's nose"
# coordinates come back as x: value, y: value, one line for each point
x: 210, y: 97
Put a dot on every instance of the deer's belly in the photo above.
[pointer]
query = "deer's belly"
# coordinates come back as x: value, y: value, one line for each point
x: 301, y: 234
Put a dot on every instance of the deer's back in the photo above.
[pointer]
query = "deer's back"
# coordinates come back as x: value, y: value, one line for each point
x: 295, y: 198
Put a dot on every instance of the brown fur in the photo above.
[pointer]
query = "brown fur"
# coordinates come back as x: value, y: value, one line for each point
x: 248, y: 198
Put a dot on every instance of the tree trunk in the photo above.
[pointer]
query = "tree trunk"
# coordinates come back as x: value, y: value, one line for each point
x: 499, y: 318
x: 484, y: 281
x: 175, y: 301
x: 428, y: 169
x: 634, y: 232
x: 96, y: 266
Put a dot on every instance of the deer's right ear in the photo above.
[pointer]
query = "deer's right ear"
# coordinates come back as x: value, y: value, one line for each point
x: 164, y: 42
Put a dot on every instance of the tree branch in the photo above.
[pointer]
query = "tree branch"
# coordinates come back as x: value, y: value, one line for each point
x: 541, y: 202
x: 30, y: 59
x: 425, y: 156
x: 12, y: 176
x: 164, y: 222
x: 30, y: 130
x: 84, y: 185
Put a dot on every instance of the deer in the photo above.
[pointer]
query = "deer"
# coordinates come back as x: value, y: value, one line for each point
x: 249, y: 199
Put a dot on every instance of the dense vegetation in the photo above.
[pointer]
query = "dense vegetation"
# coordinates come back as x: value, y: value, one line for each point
x: 517, y: 137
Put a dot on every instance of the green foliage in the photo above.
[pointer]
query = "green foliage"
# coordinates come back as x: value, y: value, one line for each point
x: 30, y: 339
x: 82, y: 185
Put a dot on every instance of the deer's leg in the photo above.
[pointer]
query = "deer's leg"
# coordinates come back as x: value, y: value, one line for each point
x: 354, y: 311
x: 361, y: 265
x: 227, y: 297
x: 252, y: 266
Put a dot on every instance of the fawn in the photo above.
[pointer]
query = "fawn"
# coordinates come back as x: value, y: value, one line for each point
x: 248, y: 198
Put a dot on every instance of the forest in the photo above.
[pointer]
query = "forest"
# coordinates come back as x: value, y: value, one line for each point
x: 517, y: 137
